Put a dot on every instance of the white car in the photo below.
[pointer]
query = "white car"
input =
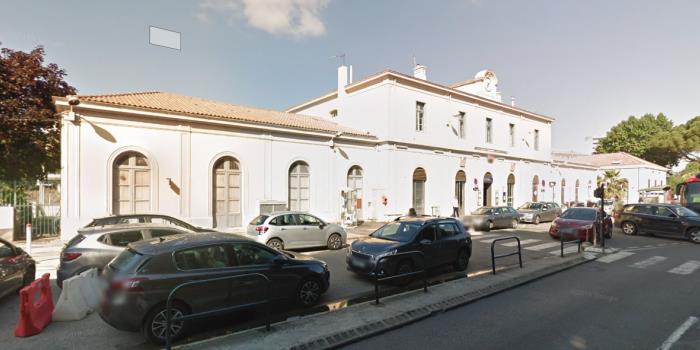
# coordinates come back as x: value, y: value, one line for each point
x: 291, y: 229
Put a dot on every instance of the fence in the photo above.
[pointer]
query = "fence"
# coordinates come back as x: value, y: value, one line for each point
x: 44, y: 215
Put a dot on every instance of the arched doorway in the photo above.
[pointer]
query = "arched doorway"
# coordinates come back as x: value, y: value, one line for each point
x: 488, y: 181
x: 510, y: 189
x: 299, y: 187
x: 419, y: 179
x: 353, y: 198
x: 535, y: 188
x: 563, y: 191
x: 460, y: 181
x: 576, y: 193
x: 227, y: 193
x: 131, y: 184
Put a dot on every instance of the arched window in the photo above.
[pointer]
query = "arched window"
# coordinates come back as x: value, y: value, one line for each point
x: 227, y: 193
x: 535, y: 188
x: 460, y: 181
x: 563, y: 191
x: 353, y: 199
x: 419, y: 179
x: 131, y: 192
x: 510, y: 190
x: 299, y: 187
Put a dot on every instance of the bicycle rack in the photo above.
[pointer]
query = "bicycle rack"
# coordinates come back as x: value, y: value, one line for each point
x: 494, y: 257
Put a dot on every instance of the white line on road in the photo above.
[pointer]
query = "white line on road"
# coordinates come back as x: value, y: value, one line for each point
x: 484, y: 236
x: 686, y: 268
x: 648, y: 262
x: 567, y: 250
x: 543, y: 246
x: 614, y: 257
x: 523, y: 242
x: 678, y: 333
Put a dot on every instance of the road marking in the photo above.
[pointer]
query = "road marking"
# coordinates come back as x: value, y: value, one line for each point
x: 648, y: 262
x: 615, y: 257
x: 523, y: 242
x: 543, y: 246
x: 484, y: 236
x: 678, y: 333
x: 567, y: 250
x: 686, y: 268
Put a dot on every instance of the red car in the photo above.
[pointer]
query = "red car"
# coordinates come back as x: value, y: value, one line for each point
x: 580, y: 223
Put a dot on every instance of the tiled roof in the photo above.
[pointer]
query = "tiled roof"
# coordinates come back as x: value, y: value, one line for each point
x: 192, y: 106
x: 609, y: 159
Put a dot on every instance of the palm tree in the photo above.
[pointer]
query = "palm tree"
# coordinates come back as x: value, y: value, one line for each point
x: 615, y: 186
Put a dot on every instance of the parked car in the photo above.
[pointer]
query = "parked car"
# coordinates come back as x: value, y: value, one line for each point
x: 96, y: 247
x: 143, y: 275
x: 142, y: 219
x: 293, y: 229
x: 580, y: 223
x: 539, y: 212
x: 667, y: 220
x: 17, y: 268
x: 489, y: 218
x: 443, y: 241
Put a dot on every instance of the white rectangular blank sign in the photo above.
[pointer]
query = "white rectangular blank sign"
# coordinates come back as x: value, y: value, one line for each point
x: 164, y: 37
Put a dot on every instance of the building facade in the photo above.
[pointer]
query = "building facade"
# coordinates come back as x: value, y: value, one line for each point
x: 367, y: 151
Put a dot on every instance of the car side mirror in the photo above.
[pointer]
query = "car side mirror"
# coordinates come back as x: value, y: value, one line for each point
x: 425, y: 242
x: 322, y: 225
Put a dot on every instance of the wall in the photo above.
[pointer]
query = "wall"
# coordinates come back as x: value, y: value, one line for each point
x: 7, y: 222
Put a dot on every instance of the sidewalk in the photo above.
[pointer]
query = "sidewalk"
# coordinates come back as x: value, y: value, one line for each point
x: 335, y: 328
x: 46, y: 253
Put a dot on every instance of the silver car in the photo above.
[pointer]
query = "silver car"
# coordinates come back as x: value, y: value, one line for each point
x: 96, y: 246
x: 290, y: 229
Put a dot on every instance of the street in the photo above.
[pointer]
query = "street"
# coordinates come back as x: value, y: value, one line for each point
x: 637, y: 298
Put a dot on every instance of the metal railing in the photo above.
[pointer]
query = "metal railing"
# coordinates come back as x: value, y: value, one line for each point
x: 422, y: 272
x: 494, y: 257
x: 168, y: 304
x: 570, y: 241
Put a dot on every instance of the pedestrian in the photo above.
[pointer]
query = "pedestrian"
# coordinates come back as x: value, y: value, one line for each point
x: 617, y: 207
x: 412, y: 212
x: 455, y: 207
x: 668, y: 195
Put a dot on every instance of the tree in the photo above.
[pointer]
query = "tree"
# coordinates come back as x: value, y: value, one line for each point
x: 29, y: 128
x: 690, y: 170
x: 615, y: 185
x: 683, y: 142
x: 635, y: 136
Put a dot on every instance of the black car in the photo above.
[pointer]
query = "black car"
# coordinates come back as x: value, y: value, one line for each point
x: 17, y: 268
x: 442, y: 241
x: 661, y: 220
x: 142, y: 276
x: 489, y: 218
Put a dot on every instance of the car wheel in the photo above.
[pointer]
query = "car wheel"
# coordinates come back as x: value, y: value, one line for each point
x: 514, y: 224
x: 462, y: 261
x: 309, y: 292
x: 154, y: 326
x: 629, y: 228
x: 537, y: 220
x: 694, y: 235
x: 489, y: 226
x: 335, y: 242
x: 275, y: 243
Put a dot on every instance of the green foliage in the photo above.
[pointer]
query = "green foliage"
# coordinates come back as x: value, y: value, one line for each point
x: 635, y: 136
x: 690, y: 170
x: 682, y: 142
x: 615, y: 185
x: 29, y: 128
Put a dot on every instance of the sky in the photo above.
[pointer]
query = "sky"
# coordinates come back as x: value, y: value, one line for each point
x: 588, y: 64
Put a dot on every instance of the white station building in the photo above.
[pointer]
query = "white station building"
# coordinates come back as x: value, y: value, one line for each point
x: 368, y: 150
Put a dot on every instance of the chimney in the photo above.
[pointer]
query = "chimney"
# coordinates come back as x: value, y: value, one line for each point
x: 419, y: 71
x: 512, y: 101
x: 342, y: 79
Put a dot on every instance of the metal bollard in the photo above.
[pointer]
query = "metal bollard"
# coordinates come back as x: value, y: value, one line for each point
x: 28, y: 230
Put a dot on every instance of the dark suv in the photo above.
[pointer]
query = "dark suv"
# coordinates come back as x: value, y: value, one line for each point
x: 442, y: 241
x: 661, y: 220
x: 143, y: 275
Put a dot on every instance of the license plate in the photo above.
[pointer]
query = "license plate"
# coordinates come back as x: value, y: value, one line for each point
x: 568, y: 231
x: 359, y: 263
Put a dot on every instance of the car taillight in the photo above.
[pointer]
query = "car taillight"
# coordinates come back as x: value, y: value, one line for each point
x: 262, y: 229
x: 70, y: 256
x: 128, y: 285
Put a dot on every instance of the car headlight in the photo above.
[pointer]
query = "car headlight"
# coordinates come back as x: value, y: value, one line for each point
x: 381, y: 255
x: 588, y: 227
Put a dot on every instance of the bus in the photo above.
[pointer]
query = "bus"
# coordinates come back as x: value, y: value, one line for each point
x: 689, y: 193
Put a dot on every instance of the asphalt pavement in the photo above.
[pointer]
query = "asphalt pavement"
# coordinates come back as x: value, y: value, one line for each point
x: 642, y: 296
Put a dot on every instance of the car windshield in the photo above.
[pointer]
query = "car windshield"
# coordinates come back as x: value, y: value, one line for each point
x: 397, y: 231
x: 683, y: 211
x: 126, y: 260
x: 529, y: 205
x: 579, y: 214
x: 483, y: 211
x: 258, y: 220
x: 693, y: 192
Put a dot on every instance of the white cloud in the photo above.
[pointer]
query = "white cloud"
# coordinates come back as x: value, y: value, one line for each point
x: 298, y: 18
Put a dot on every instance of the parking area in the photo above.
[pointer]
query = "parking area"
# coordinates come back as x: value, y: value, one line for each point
x: 346, y: 288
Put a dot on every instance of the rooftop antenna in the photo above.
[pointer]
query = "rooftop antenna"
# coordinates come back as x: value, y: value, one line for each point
x: 341, y: 56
